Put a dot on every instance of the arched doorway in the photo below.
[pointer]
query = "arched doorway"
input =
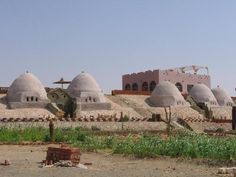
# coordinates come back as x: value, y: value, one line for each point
x: 135, y: 87
x: 145, y: 86
x: 179, y: 86
x: 152, y: 85
x: 127, y: 87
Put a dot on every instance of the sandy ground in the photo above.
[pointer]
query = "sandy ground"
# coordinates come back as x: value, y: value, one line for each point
x: 25, y: 163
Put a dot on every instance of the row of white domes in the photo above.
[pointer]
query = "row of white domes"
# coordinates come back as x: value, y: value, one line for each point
x: 28, y: 84
x: 165, y: 93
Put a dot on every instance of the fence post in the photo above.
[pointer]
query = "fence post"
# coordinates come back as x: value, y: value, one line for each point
x: 234, y: 118
x: 51, y: 130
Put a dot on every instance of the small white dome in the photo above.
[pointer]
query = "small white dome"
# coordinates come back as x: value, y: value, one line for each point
x: 26, y: 89
x: 202, y: 94
x: 222, y: 97
x: 167, y: 94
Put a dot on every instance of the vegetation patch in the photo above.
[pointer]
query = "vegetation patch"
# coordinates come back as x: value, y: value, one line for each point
x: 182, y: 144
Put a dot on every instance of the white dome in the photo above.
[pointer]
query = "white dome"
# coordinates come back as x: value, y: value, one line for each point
x: 26, y: 89
x: 222, y: 97
x: 202, y: 94
x: 84, y: 82
x: 167, y: 94
x: 85, y: 87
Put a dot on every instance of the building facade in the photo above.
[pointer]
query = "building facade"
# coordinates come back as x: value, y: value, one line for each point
x: 184, y: 78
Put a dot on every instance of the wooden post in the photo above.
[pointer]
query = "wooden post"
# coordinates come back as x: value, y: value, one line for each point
x: 51, y: 130
x: 168, y: 120
x: 121, y: 115
x: 234, y: 118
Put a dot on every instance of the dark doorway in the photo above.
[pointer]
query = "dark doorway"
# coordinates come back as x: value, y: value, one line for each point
x: 152, y: 85
x: 135, y: 87
x: 145, y: 86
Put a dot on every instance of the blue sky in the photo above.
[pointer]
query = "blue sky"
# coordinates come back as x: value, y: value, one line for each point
x: 61, y: 38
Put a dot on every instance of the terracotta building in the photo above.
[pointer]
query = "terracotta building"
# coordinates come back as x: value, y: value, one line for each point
x: 184, y: 78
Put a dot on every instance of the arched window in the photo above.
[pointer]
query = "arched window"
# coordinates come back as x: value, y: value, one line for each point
x: 145, y: 86
x: 152, y: 85
x: 135, y: 87
x: 179, y: 86
x: 127, y: 87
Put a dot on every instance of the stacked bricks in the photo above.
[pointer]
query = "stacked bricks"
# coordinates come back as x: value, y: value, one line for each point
x: 64, y: 153
x: 219, y: 121
x: 99, y: 118
x: 104, y: 118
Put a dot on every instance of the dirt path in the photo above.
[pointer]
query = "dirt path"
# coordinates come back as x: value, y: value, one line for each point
x: 25, y: 163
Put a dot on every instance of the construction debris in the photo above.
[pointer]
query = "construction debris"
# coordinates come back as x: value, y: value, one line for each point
x: 224, y: 171
x: 6, y: 163
x: 64, y: 163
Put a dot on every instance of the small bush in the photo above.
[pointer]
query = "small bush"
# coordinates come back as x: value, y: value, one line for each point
x: 124, y: 119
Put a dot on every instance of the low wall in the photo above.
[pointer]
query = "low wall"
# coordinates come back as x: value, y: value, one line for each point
x: 93, y: 106
x: 129, y: 92
x: 103, y: 126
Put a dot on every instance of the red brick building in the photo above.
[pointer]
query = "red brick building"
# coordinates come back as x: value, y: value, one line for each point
x: 184, y: 78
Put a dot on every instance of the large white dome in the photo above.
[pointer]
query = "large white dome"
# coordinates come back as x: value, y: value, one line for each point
x: 26, y: 89
x: 167, y: 94
x: 222, y: 97
x: 84, y: 82
x: 85, y: 87
x: 202, y: 94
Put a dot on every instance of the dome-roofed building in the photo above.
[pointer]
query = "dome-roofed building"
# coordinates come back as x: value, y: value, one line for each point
x: 203, y: 94
x: 86, y: 89
x: 167, y: 94
x: 27, y: 92
x: 222, y: 97
x: 87, y: 93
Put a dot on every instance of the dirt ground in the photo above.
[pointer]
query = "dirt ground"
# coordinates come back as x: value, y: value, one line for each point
x: 25, y: 163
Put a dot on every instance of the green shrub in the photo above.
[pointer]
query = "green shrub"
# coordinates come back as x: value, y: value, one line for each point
x: 182, y: 144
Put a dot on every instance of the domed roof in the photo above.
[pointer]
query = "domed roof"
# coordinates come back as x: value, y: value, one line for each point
x: 202, y: 94
x: 167, y: 94
x: 84, y: 82
x: 26, y: 83
x: 222, y: 97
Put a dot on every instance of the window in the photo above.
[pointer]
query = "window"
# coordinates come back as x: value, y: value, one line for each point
x: 27, y: 99
x: 32, y: 98
x: 94, y: 100
x: 36, y: 99
x: 179, y: 86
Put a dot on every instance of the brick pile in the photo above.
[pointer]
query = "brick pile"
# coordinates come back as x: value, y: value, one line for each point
x: 64, y: 153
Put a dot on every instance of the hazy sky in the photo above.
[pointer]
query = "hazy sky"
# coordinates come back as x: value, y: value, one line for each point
x: 61, y: 38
